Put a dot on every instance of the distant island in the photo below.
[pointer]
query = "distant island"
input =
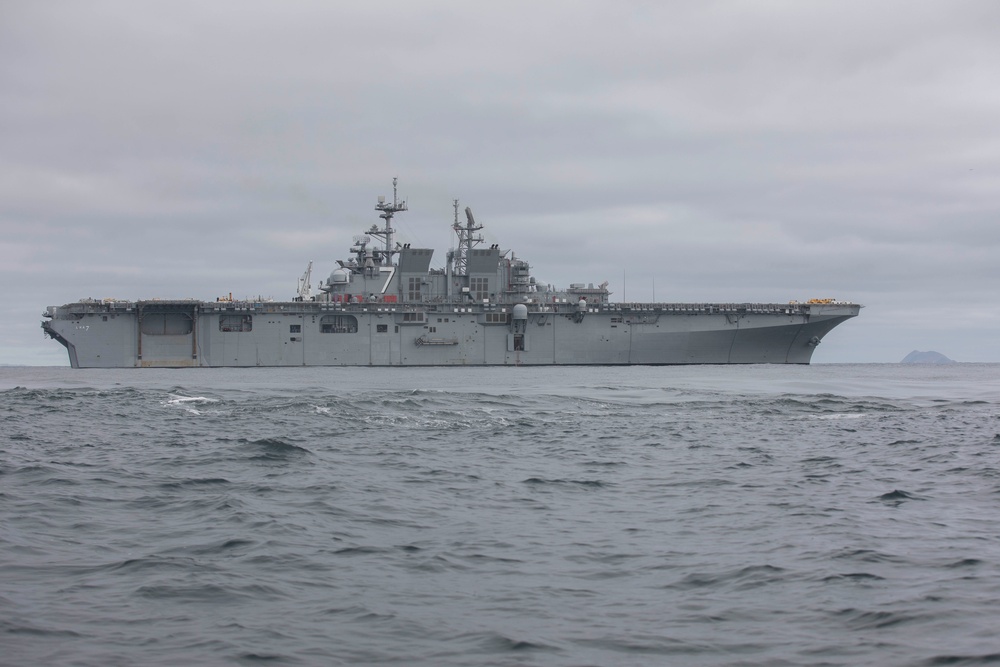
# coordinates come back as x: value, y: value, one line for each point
x: 929, y: 357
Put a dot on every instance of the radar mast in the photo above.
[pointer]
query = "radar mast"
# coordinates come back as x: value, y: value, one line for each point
x: 387, y: 233
x: 467, y: 240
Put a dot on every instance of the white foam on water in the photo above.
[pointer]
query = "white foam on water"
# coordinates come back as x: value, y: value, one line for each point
x: 841, y: 415
x: 187, y: 402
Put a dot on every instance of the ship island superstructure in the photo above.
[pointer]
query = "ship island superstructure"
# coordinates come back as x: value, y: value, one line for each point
x: 386, y: 306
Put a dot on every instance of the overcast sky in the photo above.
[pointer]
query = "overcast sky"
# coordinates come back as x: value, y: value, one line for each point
x: 692, y: 151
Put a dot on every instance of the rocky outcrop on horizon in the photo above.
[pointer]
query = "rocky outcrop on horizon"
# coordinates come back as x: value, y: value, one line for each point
x: 929, y: 357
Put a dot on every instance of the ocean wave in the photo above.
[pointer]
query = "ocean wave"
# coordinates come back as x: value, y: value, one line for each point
x: 561, y: 517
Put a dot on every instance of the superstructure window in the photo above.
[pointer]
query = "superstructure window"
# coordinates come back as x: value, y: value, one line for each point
x: 381, y: 328
x: 294, y: 328
x: 496, y: 318
x: 413, y: 289
x: 480, y: 288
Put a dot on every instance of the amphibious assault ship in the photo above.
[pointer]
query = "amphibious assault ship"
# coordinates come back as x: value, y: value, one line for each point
x: 386, y: 306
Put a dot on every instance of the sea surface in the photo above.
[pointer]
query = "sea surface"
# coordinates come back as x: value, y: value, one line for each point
x: 718, y: 515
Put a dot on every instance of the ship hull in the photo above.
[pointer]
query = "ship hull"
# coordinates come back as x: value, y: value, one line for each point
x: 180, y: 334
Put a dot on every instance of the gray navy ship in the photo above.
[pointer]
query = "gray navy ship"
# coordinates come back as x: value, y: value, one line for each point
x: 386, y: 306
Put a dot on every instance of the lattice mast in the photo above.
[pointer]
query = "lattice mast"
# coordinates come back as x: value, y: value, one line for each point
x: 467, y: 240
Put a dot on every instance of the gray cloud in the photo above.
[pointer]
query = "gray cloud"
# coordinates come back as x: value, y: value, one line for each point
x: 707, y: 151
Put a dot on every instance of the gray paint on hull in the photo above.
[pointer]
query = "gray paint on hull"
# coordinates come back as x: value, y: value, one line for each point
x: 99, y: 336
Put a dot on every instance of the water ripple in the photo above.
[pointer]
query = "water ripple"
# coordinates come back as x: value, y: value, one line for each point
x: 639, y: 516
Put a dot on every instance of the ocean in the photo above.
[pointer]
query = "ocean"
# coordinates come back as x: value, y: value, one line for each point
x: 832, y: 514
